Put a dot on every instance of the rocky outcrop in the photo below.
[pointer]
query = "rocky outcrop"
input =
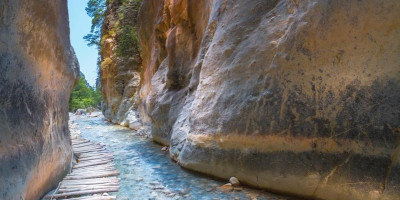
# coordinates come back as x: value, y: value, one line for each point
x: 38, y: 69
x: 120, y: 62
x: 298, y: 97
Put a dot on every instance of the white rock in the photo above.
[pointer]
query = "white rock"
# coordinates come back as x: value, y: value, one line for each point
x: 234, y: 181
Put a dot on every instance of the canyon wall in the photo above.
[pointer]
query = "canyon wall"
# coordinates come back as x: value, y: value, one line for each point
x: 297, y: 97
x: 38, y: 69
x: 120, y: 63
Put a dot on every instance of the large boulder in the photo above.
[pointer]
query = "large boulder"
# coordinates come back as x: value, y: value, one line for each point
x: 298, y: 97
x: 38, y: 69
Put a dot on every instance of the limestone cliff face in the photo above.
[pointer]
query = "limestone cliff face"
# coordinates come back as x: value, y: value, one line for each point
x: 37, y: 72
x: 300, y: 97
x: 120, y: 72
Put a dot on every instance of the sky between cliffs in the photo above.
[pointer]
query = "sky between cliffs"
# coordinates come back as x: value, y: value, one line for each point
x: 80, y: 23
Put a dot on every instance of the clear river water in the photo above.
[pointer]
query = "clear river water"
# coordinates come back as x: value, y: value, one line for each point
x: 146, y: 172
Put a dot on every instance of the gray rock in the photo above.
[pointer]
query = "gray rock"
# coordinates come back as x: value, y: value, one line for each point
x: 81, y: 112
x: 164, y: 148
x: 263, y: 90
x: 234, y: 181
x: 272, y: 92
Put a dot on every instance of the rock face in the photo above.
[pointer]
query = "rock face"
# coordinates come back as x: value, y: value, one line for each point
x: 38, y: 69
x: 298, y: 97
x: 120, y: 74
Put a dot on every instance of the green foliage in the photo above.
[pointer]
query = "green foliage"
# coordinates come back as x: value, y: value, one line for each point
x: 84, y: 96
x: 96, y: 10
x: 127, y: 41
x: 127, y: 37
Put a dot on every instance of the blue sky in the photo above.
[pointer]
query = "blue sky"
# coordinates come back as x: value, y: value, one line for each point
x: 80, y: 24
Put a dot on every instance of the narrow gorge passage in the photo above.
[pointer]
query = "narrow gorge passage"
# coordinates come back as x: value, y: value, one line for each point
x: 147, y: 172
x: 293, y: 97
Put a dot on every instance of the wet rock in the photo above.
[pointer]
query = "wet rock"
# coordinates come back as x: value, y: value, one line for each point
x: 155, y: 183
x: 139, y: 179
x: 165, y: 148
x: 171, y: 195
x: 81, y: 112
x: 209, y: 189
x: 227, y: 187
x: 234, y: 181
x: 183, y: 192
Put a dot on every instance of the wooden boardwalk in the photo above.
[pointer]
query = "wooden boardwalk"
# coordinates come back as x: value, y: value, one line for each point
x: 91, y: 177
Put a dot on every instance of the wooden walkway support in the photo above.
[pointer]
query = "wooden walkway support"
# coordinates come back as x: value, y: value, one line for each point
x: 91, y: 177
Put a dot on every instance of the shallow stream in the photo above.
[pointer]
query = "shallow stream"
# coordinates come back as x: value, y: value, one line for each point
x: 149, y: 173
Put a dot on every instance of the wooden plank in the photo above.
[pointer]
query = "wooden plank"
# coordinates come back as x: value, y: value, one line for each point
x: 91, y: 172
x: 86, y: 188
x: 109, y: 160
x: 94, y: 151
x: 78, y: 183
x: 63, y: 195
x: 94, y: 173
x: 93, y: 198
x: 91, y: 176
x: 104, y: 166
x: 88, y: 144
x: 96, y: 179
x: 87, y: 148
x: 99, y: 167
x: 97, y: 158
x: 89, y: 186
x: 90, y: 164
x: 97, y: 154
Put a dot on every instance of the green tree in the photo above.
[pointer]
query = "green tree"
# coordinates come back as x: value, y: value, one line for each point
x: 84, y: 96
x: 96, y: 10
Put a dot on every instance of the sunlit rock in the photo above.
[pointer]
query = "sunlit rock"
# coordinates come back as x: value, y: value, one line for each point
x: 298, y: 97
x: 38, y: 69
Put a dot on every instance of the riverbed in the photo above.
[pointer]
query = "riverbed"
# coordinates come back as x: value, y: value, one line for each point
x: 147, y: 172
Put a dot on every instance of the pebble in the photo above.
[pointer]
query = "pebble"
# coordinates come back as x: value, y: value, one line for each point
x: 234, y: 181
x: 106, y: 194
x: 157, y: 188
x: 154, y: 183
x: 171, y: 194
x: 153, y: 194
x: 209, y: 189
x: 182, y: 192
x: 139, y: 179
x: 164, y: 148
